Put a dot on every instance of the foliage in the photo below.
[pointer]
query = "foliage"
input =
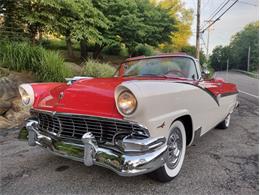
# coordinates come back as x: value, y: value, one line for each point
x: 94, y: 68
x: 97, y: 24
x: 57, y: 44
x: 237, y: 51
x: 183, y: 16
x: 46, y: 65
x: 191, y: 50
x: 145, y: 50
x: 113, y: 49
x: 219, y: 57
x: 136, y: 22
x: 240, y: 43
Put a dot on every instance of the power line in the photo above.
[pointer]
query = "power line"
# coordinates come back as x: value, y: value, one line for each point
x: 219, y: 16
x: 221, y: 6
x: 244, y: 2
x: 217, y: 10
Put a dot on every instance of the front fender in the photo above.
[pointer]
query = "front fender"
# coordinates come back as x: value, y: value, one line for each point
x: 159, y: 104
x: 46, y: 92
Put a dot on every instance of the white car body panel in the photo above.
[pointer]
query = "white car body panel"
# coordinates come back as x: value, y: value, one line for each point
x: 164, y: 101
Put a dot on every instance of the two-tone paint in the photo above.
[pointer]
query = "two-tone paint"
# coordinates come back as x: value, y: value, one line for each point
x: 160, y: 100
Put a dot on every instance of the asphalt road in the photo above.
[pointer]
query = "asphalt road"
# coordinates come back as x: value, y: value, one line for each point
x: 222, y: 162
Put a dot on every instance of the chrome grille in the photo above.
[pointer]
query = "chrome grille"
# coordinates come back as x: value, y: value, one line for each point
x: 70, y: 126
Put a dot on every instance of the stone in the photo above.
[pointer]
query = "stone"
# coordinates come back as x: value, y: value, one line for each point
x: 9, y: 88
x: 17, y: 118
x: 4, y: 106
x: 4, y: 123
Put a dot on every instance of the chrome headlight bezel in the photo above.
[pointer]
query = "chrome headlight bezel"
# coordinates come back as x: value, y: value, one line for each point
x: 126, y: 102
x: 27, y: 94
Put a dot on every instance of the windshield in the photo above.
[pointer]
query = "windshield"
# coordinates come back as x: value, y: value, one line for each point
x: 165, y: 66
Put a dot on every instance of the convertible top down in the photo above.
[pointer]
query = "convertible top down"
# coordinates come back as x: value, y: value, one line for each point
x: 140, y: 121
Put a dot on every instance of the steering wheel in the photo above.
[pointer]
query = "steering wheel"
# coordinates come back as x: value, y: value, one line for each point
x: 176, y: 72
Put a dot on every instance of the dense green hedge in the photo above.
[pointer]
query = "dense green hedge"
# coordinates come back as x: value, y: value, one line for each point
x: 45, y: 65
x: 94, y: 68
x: 143, y: 50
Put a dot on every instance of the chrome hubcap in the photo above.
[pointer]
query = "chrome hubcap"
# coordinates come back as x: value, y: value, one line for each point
x: 227, y: 120
x: 174, y: 148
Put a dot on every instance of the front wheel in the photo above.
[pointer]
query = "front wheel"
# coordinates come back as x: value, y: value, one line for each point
x: 175, y: 154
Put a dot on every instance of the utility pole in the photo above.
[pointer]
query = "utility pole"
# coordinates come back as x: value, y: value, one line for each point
x: 209, y: 29
x: 227, y: 69
x: 248, y: 59
x: 198, y: 31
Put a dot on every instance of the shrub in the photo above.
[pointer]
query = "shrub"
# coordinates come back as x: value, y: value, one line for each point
x: 46, y: 65
x: 145, y: 50
x: 96, y: 69
x: 113, y: 49
x: 53, y: 68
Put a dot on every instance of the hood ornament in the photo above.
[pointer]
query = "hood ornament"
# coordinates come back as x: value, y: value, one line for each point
x: 61, y: 95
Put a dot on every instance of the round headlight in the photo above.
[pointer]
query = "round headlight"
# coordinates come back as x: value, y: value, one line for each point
x: 27, y: 94
x: 126, y: 102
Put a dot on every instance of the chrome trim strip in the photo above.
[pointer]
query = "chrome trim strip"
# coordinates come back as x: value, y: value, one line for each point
x: 65, y: 113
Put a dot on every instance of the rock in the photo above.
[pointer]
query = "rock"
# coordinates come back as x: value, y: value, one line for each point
x: 4, y: 106
x: 4, y: 123
x: 17, y: 105
x: 17, y: 118
x: 9, y: 88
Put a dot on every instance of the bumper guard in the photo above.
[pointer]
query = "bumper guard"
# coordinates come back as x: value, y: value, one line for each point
x: 140, y: 156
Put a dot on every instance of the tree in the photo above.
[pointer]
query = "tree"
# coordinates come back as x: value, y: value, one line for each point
x: 183, y: 16
x: 78, y: 20
x: 191, y: 50
x: 241, y: 41
x: 13, y: 26
x: 135, y: 22
x: 237, y: 50
x: 219, y: 57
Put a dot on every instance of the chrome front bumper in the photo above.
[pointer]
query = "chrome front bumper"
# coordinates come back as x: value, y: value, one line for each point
x: 140, y: 156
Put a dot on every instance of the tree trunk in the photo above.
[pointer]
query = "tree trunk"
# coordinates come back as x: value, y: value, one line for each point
x: 33, y: 33
x: 69, y: 46
x: 83, y: 50
x: 40, y: 35
x: 97, y: 51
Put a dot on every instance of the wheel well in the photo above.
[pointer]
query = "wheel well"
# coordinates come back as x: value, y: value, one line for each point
x: 187, y: 122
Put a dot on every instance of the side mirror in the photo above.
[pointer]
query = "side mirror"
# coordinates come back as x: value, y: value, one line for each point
x: 205, y: 73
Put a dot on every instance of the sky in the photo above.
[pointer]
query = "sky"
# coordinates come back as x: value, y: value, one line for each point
x: 229, y: 24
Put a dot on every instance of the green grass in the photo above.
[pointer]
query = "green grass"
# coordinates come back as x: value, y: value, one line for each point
x: 94, y: 68
x: 45, y: 65
x: 58, y: 44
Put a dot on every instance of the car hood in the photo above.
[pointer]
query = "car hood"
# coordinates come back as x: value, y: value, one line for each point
x: 87, y: 96
x: 93, y: 96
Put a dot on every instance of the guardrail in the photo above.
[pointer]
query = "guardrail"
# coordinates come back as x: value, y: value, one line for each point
x: 247, y: 73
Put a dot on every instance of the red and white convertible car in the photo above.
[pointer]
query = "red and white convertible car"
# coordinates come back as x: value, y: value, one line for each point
x: 138, y: 122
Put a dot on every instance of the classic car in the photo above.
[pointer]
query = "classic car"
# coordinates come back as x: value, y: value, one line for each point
x: 139, y: 121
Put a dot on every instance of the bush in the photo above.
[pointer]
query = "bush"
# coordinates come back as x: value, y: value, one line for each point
x: 143, y: 50
x: 58, y: 44
x: 53, y: 68
x: 113, y: 49
x: 46, y: 65
x: 96, y: 69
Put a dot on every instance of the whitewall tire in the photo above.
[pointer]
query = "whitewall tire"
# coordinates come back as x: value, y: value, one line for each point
x: 175, y: 154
